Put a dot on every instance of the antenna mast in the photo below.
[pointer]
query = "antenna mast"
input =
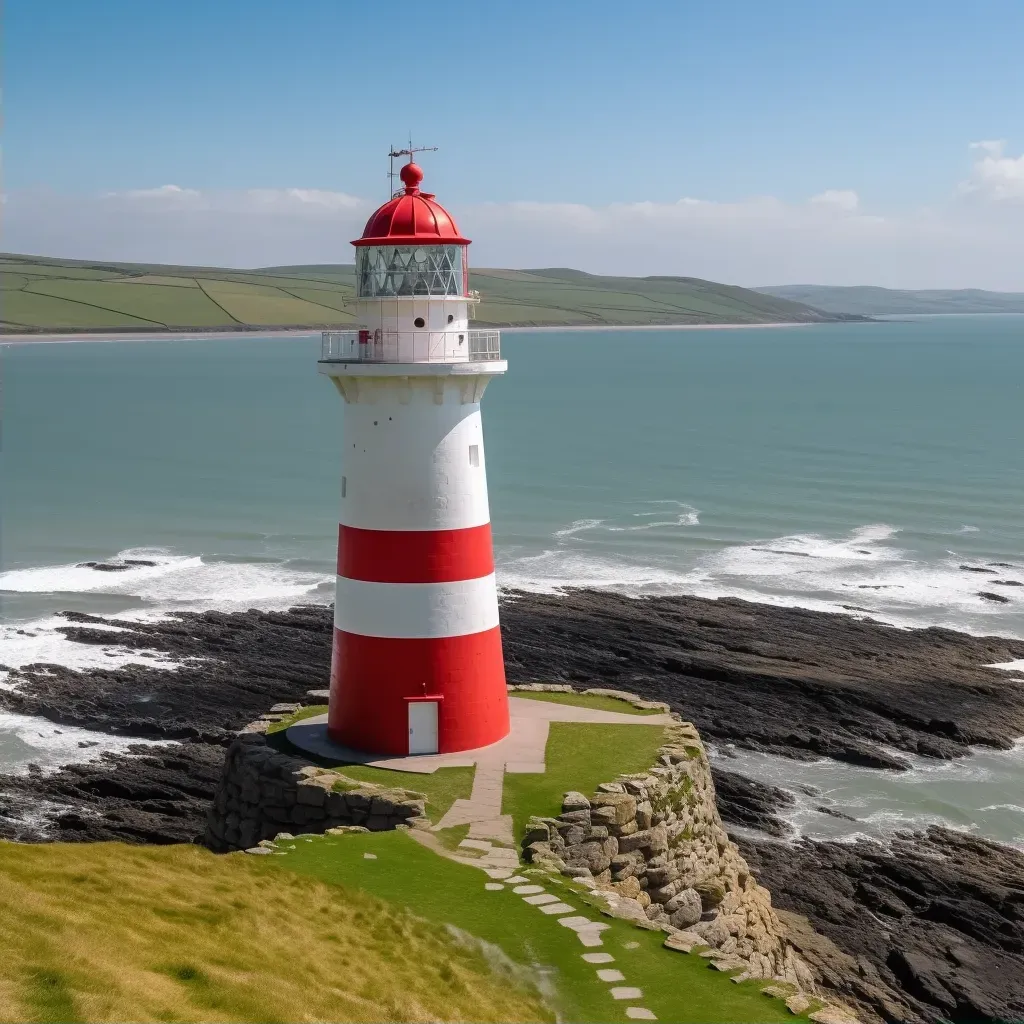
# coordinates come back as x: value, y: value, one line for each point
x: 404, y: 152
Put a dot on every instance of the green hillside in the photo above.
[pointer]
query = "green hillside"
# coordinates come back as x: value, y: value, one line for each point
x: 871, y: 301
x: 40, y: 294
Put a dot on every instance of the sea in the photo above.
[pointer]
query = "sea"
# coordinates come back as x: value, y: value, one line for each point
x: 865, y: 467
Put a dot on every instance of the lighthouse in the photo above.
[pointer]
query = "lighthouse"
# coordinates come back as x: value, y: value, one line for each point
x: 416, y: 665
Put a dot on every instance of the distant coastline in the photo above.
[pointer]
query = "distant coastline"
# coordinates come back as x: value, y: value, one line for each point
x: 70, y: 298
x: 211, y: 334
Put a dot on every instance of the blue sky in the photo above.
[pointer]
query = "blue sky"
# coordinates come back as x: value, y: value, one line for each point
x: 594, y: 103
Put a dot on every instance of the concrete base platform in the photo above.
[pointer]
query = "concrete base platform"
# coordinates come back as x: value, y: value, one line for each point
x: 522, y: 750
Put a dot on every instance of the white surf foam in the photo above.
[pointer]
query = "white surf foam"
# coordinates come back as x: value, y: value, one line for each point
x: 666, y: 513
x: 1009, y: 666
x: 39, y: 642
x: 174, y: 583
x: 865, y: 572
x: 80, y: 579
x: 25, y: 740
x: 950, y: 793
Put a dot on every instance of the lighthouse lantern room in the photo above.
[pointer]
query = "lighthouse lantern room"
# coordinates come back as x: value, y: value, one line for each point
x: 417, y: 665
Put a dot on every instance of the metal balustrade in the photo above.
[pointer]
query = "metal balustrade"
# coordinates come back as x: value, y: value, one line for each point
x: 410, y: 346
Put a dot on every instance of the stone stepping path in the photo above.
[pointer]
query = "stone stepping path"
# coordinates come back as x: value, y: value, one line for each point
x: 501, y: 866
x: 540, y: 899
x: 557, y: 908
x: 586, y: 930
x: 625, y: 992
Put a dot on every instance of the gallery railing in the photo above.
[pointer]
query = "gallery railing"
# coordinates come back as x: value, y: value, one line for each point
x: 410, y: 346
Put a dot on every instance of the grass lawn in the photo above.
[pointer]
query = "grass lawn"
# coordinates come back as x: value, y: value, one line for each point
x: 676, y: 987
x: 587, y: 700
x: 441, y: 789
x: 297, y: 716
x: 579, y: 757
x: 109, y: 932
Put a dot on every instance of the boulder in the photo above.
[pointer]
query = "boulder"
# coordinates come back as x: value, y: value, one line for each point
x: 712, y: 892
x: 310, y: 794
x: 629, y: 888
x: 683, y: 941
x: 713, y: 932
x: 623, y: 804
x: 684, y: 909
x: 590, y: 854
x: 643, y: 815
x: 573, y: 801
x: 636, y: 841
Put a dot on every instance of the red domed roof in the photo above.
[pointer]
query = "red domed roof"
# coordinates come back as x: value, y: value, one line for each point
x: 413, y: 218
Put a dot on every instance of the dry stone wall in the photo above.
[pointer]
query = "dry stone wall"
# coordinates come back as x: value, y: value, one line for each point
x: 655, y: 845
x: 263, y: 792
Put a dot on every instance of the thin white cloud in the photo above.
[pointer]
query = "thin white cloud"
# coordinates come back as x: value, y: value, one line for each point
x: 994, y: 175
x: 840, y: 199
x: 976, y: 239
x: 167, y: 192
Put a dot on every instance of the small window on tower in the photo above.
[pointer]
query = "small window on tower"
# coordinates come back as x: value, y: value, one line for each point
x: 419, y: 322
x: 474, y: 455
x: 344, y: 485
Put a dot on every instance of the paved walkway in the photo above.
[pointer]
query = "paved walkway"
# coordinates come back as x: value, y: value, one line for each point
x: 521, y: 751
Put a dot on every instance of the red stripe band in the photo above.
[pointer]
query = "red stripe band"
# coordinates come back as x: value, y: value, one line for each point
x: 374, y: 678
x: 415, y: 556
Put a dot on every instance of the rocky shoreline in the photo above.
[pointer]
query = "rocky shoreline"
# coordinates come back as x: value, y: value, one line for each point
x: 931, y: 928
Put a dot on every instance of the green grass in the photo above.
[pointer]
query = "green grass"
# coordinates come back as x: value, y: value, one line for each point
x: 441, y: 789
x: 109, y: 932
x: 677, y: 987
x: 56, y: 294
x: 297, y: 716
x: 166, y: 304
x: 579, y: 757
x: 587, y: 700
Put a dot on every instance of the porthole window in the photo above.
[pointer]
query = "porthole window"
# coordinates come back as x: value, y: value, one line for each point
x: 451, y: 318
x: 418, y: 322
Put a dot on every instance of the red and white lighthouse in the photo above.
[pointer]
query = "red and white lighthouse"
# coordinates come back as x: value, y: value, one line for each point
x: 417, y: 664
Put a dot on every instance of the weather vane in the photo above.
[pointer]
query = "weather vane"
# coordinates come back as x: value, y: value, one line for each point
x: 404, y: 152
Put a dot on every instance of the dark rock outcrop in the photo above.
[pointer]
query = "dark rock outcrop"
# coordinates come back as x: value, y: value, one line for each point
x: 154, y: 795
x: 235, y: 667
x: 931, y: 928
x: 122, y: 566
x: 743, y: 801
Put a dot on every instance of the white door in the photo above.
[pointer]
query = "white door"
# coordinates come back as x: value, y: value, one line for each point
x: 423, y: 727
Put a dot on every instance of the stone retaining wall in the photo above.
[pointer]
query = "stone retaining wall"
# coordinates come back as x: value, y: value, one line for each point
x: 654, y: 844
x: 263, y: 792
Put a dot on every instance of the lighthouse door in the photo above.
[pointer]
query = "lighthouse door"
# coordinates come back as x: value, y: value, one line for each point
x: 423, y: 727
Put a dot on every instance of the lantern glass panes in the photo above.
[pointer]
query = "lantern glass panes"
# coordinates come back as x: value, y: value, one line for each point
x: 409, y: 270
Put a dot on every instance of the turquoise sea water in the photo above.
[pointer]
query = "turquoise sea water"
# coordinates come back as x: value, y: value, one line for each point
x: 856, y: 466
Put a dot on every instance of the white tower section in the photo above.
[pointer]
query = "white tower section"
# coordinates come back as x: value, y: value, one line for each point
x: 417, y: 662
